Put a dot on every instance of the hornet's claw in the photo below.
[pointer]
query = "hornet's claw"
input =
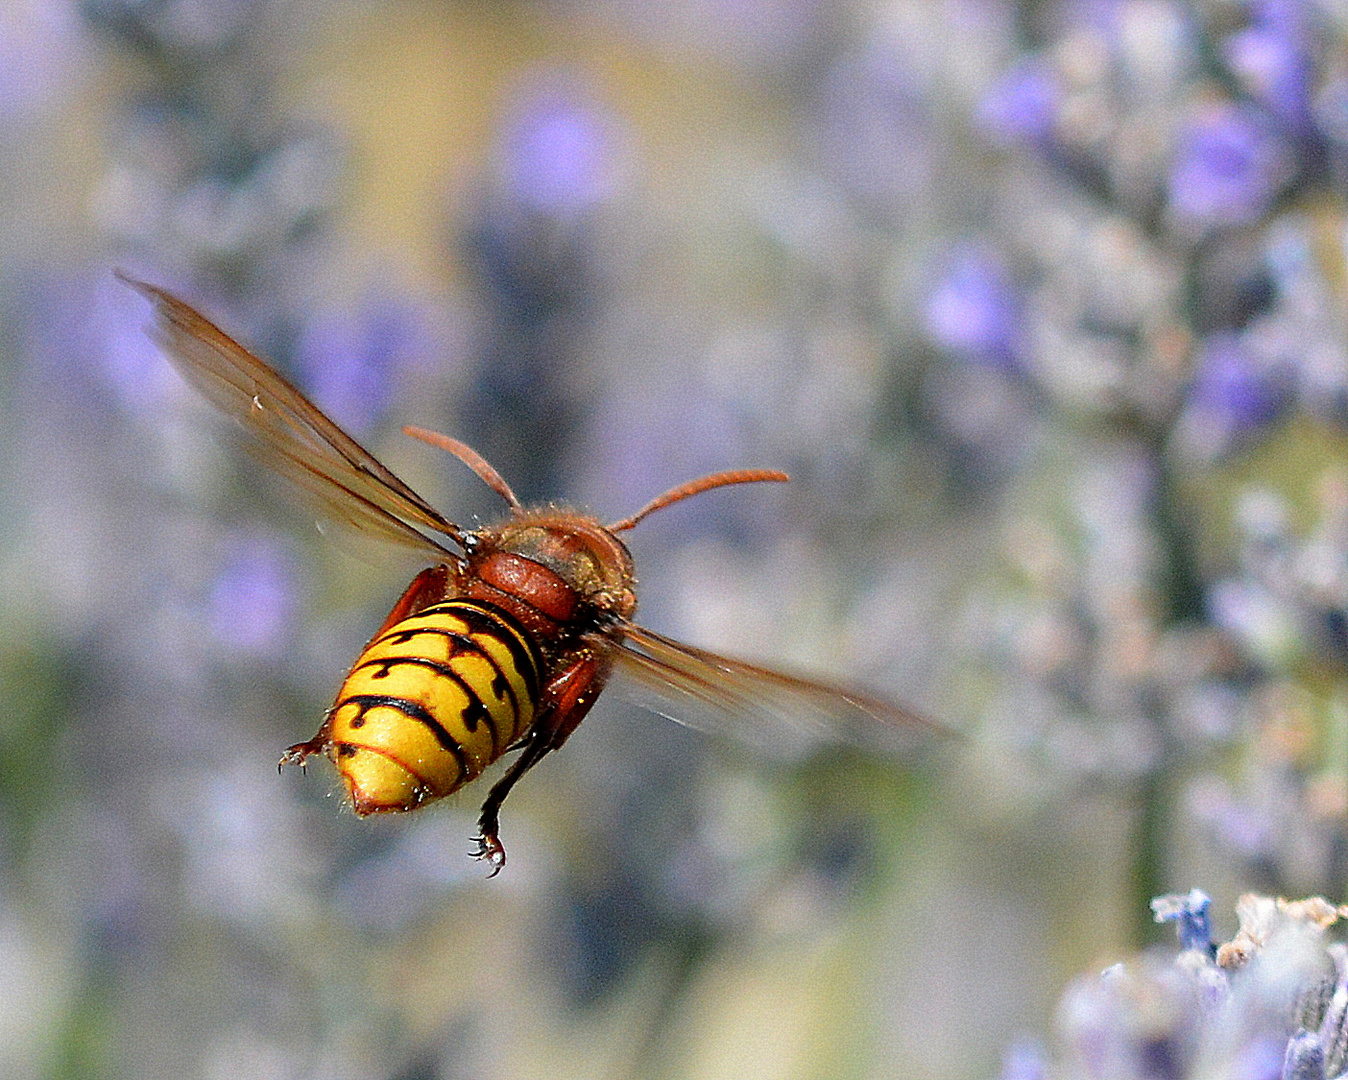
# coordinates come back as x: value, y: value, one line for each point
x: 300, y: 753
x: 490, y: 849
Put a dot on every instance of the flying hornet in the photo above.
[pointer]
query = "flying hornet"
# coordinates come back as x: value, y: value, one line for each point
x: 506, y: 640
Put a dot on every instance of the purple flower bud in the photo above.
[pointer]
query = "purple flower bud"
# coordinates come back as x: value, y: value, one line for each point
x: 1228, y: 166
x: 557, y: 152
x: 975, y: 309
x: 1022, y: 106
x: 1271, y: 59
x: 1233, y: 388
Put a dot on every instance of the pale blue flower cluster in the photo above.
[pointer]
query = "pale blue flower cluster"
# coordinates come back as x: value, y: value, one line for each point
x: 1270, y: 1004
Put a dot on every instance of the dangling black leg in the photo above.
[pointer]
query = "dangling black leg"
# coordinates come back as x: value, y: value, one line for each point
x: 566, y: 699
x: 489, y: 846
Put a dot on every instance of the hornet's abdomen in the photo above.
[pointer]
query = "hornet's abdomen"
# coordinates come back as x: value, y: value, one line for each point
x: 431, y: 703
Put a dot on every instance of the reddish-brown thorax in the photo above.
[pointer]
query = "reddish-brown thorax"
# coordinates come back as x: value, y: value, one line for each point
x: 555, y: 572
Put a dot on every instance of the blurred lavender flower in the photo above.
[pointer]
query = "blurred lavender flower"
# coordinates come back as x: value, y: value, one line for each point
x: 1271, y: 58
x: 975, y: 310
x: 250, y: 610
x: 1229, y: 164
x: 558, y: 159
x: 1234, y: 394
x: 206, y: 174
x: 1283, y: 822
x: 558, y: 163
x: 1232, y: 388
x: 1261, y: 1006
x: 351, y: 361
x: 1021, y: 107
x: 556, y: 153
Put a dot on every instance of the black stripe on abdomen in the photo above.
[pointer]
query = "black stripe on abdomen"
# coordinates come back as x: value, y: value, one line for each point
x: 413, y: 711
x: 472, y: 714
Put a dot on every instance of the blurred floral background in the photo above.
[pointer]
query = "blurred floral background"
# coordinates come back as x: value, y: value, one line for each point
x: 1042, y: 304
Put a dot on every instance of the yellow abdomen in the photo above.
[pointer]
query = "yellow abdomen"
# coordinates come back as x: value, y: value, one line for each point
x: 431, y: 703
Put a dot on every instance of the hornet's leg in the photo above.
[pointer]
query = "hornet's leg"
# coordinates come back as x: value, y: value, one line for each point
x: 565, y: 701
x: 489, y: 846
x: 300, y: 753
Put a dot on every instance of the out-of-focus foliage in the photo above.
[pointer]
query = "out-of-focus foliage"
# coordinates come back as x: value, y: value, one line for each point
x: 1043, y: 305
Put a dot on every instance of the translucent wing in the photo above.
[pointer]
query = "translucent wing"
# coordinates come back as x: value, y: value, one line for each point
x: 756, y: 704
x: 291, y: 434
